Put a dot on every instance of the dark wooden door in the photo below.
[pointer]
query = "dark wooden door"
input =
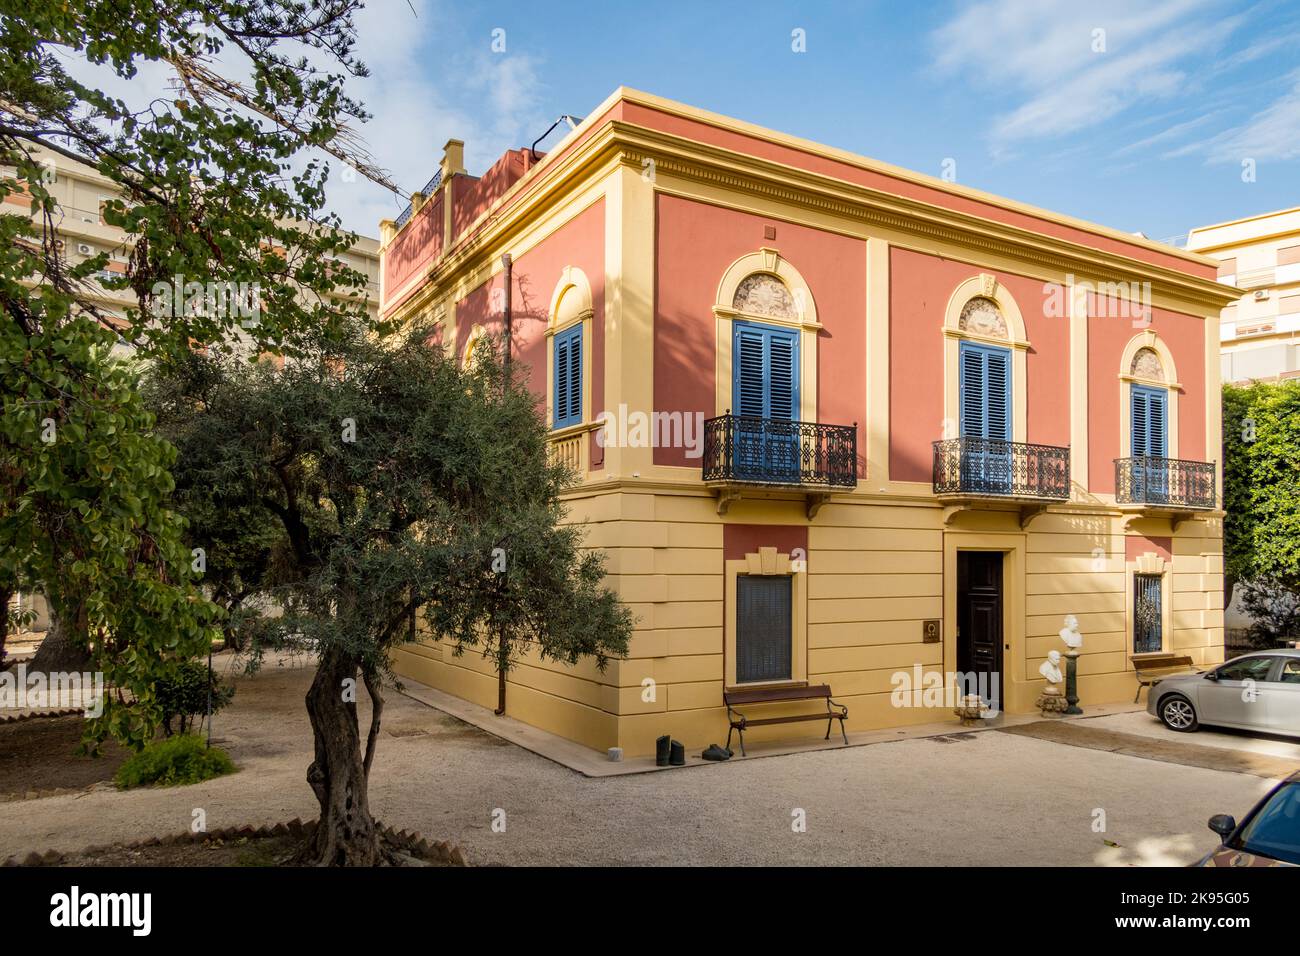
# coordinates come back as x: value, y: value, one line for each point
x: 979, y: 622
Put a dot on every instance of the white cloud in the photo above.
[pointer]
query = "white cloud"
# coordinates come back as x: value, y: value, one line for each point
x: 423, y: 89
x: 1045, y: 53
x: 1271, y: 134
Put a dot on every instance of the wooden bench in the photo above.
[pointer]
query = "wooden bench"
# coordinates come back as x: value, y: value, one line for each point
x: 777, y: 695
x: 1151, y: 669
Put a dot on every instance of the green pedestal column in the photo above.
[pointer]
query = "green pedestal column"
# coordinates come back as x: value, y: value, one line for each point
x: 1072, y: 683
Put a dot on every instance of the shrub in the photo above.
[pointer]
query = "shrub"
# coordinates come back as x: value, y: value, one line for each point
x: 186, y: 696
x: 174, y: 761
x: 1274, y: 613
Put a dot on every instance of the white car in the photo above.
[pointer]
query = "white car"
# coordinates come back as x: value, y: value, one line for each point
x: 1257, y: 691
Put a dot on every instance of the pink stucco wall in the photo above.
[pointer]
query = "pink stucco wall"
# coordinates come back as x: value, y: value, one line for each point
x: 740, y: 142
x: 1107, y: 337
x: 475, y: 195
x: 920, y: 286
x: 414, y: 250
x: 695, y: 244
x: 1136, y: 545
x: 581, y: 243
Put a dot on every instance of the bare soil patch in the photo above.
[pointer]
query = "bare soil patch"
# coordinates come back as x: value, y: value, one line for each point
x: 1188, y: 754
x: 264, y: 851
x: 40, y: 754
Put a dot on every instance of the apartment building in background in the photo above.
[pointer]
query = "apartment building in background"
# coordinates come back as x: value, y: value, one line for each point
x: 1259, y: 332
x: 831, y: 421
x: 81, y: 192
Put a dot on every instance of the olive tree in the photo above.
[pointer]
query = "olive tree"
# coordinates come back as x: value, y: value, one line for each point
x: 401, y: 486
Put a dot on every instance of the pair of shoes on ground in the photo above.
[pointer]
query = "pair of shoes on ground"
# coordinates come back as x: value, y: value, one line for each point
x: 669, y: 752
x: 714, y: 752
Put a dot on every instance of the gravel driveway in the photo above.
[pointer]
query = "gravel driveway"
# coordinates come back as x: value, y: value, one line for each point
x: 984, y: 798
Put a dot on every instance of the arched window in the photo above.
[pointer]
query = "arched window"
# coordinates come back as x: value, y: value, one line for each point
x: 766, y: 340
x: 984, y: 365
x: 1148, y: 399
x: 984, y: 373
x: 1148, y: 407
x: 765, y: 357
x: 569, y: 357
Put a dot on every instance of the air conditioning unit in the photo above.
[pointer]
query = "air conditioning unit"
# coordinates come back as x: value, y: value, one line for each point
x: 85, y: 248
x: 1261, y: 295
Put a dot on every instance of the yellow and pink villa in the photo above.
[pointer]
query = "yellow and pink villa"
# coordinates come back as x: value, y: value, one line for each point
x: 832, y: 422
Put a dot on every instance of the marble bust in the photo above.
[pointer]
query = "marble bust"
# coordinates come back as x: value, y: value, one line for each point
x: 1051, y: 671
x: 1070, y: 633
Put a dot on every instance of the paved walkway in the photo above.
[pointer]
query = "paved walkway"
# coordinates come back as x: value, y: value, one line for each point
x: 957, y: 799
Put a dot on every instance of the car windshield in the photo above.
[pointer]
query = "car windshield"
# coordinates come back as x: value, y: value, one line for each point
x: 1275, y: 830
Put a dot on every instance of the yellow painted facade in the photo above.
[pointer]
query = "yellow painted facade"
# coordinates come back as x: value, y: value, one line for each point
x: 881, y: 559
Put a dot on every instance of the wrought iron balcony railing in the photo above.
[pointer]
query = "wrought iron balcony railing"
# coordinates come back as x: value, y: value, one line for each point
x: 767, y: 451
x: 1165, y: 482
x: 989, y: 467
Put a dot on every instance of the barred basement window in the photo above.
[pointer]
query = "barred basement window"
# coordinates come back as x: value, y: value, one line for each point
x: 1147, y: 618
x: 763, y: 628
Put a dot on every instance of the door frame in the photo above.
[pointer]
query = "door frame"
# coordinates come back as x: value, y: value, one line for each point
x: 1017, y: 694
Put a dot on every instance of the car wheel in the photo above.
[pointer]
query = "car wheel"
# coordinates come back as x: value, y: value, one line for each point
x: 1177, y: 713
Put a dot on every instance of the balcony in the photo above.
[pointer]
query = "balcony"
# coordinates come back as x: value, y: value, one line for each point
x: 1164, y: 487
x: 571, y: 447
x: 972, y: 473
x: 764, y: 453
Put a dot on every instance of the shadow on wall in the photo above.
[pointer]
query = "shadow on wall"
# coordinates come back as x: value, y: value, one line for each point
x: 685, y: 370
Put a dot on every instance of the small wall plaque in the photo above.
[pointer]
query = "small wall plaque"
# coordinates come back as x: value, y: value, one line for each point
x: 930, y: 632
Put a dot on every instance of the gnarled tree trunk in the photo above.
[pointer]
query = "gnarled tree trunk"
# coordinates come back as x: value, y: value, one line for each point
x: 64, y: 648
x: 346, y: 834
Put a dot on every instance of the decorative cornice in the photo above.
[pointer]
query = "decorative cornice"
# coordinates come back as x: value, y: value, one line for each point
x: 618, y: 143
x: 698, y: 162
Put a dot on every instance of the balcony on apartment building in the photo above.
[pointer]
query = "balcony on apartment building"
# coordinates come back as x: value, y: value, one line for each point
x: 974, y: 473
x: 744, y: 453
x: 1149, y: 486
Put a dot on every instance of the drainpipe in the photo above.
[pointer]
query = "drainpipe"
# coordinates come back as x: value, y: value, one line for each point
x: 503, y: 645
x: 507, y: 265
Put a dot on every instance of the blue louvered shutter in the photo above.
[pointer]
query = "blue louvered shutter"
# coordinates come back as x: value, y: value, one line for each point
x: 750, y: 398
x: 1149, y: 422
x: 1156, y: 420
x: 984, y: 381
x: 972, y: 384
x: 1138, y: 423
x: 568, y: 377
x: 765, y: 372
x: 783, y: 377
x: 998, y: 416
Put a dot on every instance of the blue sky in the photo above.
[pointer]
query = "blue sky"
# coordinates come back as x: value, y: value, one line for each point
x: 1142, y: 127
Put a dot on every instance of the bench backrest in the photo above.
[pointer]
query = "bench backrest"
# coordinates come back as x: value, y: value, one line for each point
x: 771, y: 695
x: 1160, y: 663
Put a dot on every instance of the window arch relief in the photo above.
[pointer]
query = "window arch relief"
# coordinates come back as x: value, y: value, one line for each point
x: 982, y: 316
x: 764, y: 294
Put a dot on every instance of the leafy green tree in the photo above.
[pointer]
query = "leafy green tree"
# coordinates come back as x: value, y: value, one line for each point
x: 1261, y: 478
x: 401, y: 486
x: 219, y: 183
